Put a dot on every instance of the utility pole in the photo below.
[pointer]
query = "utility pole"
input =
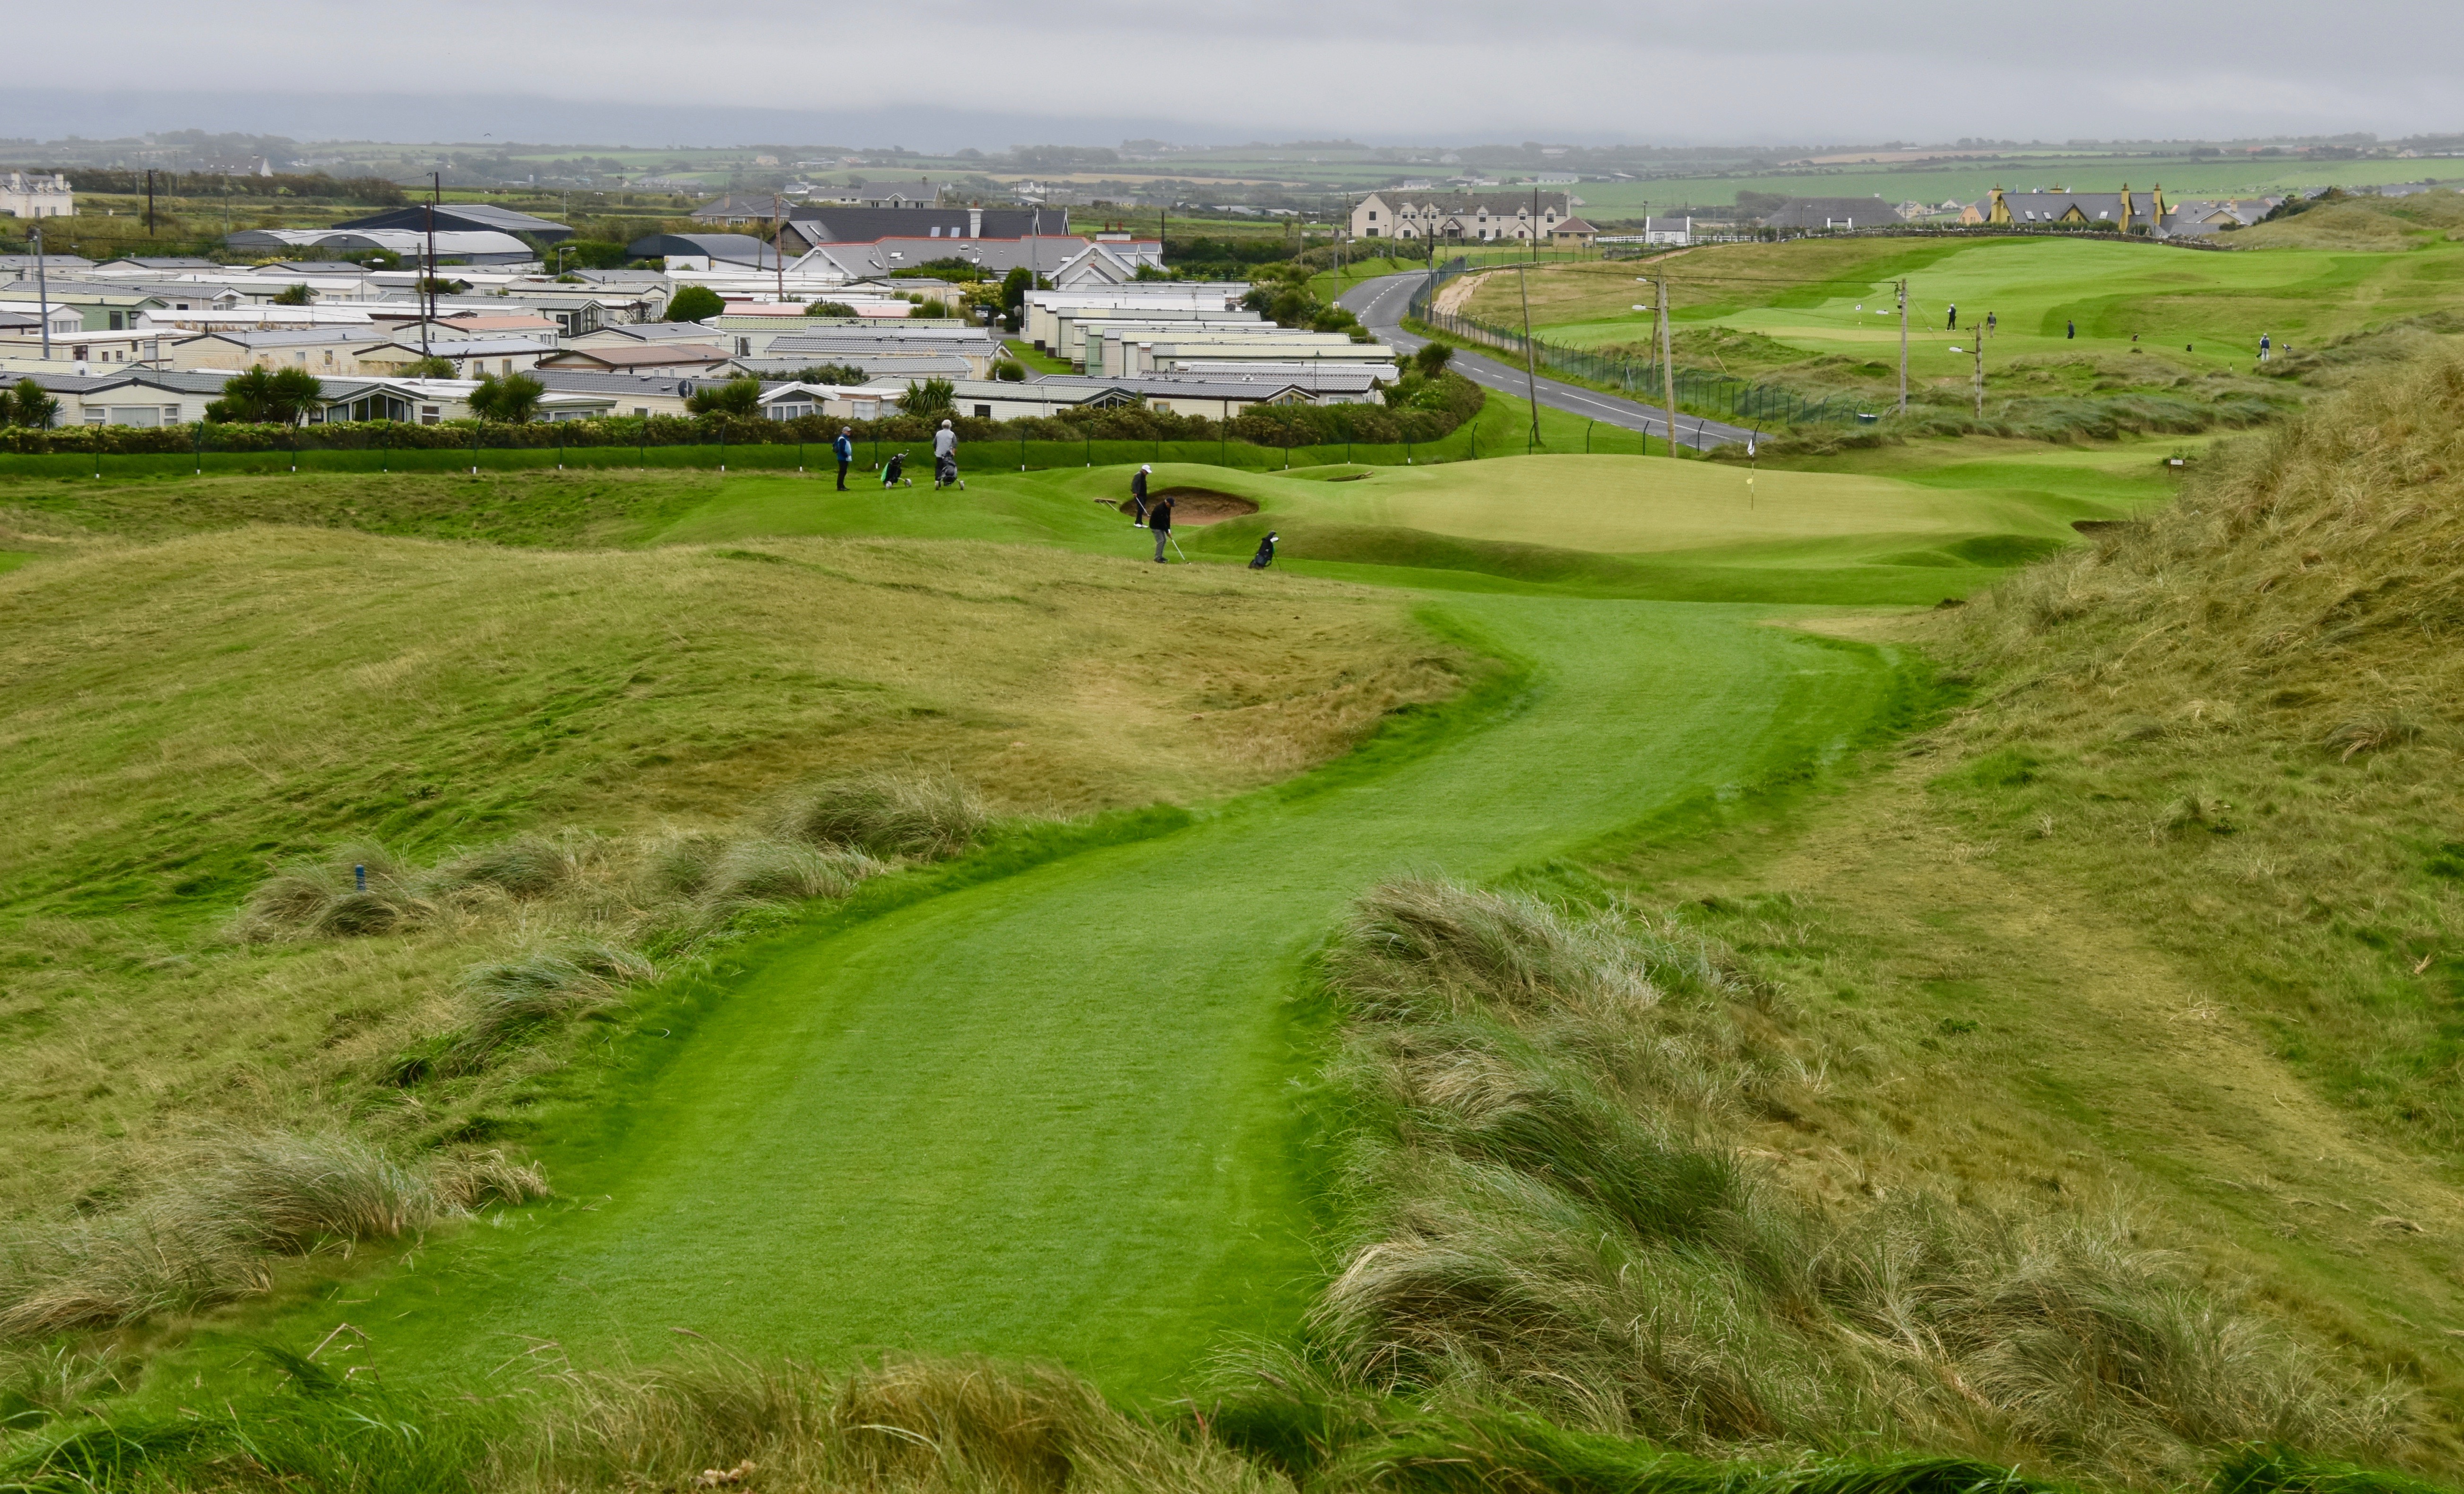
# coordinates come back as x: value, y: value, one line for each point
x: 149, y: 202
x: 1531, y: 377
x: 779, y: 246
x: 427, y: 291
x: 1669, y: 362
x: 1976, y: 337
x: 42, y: 292
x: 1903, y: 345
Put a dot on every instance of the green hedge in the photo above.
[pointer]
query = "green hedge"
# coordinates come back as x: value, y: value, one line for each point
x: 630, y: 440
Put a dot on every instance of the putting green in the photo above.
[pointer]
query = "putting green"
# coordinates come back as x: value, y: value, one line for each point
x: 1634, y: 526
x: 1061, y: 1112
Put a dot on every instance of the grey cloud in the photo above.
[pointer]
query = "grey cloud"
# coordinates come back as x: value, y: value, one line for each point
x: 1782, y: 70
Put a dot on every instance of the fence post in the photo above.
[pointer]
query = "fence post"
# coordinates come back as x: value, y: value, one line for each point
x: 560, y: 446
x: 722, y: 446
x: 199, y: 438
x: 475, y: 451
x: 1090, y: 449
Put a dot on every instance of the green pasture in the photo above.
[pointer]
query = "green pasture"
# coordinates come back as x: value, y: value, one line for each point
x: 2190, y: 311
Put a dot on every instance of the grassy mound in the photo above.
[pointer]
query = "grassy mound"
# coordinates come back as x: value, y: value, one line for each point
x: 2240, y: 721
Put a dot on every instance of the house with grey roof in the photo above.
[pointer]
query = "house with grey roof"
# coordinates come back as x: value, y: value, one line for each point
x: 742, y: 207
x: 812, y: 224
x: 1467, y: 217
x: 449, y: 246
x: 670, y: 360
x: 628, y: 394
x: 2123, y: 212
x: 922, y: 192
x: 459, y: 217
x: 705, y: 251
x: 2201, y: 217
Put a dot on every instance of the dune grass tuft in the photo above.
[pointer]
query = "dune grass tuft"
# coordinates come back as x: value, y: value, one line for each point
x: 225, y: 1203
x: 884, y: 814
x: 1546, y: 1207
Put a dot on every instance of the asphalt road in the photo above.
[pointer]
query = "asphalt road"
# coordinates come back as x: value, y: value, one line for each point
x: 1380, y: 305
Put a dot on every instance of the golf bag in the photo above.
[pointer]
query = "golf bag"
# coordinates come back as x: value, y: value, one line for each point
x: 1265, y: 555
x: 945, y: 472
x: 896, y: 473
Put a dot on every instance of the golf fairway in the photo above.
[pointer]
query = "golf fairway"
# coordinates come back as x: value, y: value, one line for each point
x: 1053, y: 1114
x: 1062, y: 1114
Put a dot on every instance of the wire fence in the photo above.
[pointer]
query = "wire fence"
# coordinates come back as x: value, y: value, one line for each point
x: 1721, y: 396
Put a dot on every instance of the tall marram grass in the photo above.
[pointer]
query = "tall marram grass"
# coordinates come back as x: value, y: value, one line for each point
x: 918, y: 1426
x: 1545, y: 1206
x: 816, y: 840
x: 230, y: 1202
x: 2240, y: 723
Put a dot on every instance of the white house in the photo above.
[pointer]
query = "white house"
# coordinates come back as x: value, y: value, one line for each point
x: 1468, y: 216
x: 30, y: 194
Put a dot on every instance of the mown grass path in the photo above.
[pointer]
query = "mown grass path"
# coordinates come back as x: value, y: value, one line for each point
x: 1057, y: 1114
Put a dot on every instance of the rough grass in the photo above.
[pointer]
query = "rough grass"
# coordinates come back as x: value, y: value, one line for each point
x: 2239, y: 722
x: 909, y: 1426
x: 528, y: 508
x: 554, y: 767
x: 226, y: 1201
x: 1549, y: 1205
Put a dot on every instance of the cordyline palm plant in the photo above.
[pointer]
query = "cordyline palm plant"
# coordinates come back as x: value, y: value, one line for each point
x: 268, y: 395
x: 512, y: 399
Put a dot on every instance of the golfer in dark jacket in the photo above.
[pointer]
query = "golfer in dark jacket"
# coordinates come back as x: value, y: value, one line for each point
x: 1138, y: 495
x: 1160, y: 520
x: 843, y: 449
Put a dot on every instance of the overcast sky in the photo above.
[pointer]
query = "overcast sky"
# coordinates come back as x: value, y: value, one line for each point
x: 966, y: 72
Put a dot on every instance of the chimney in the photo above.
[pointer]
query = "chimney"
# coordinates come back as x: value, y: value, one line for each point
x: 975, y: 223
